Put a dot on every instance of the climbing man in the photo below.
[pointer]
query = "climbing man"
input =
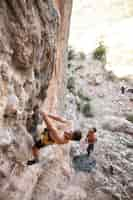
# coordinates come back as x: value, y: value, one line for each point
x: 51, y: 135
x: 91, y: 139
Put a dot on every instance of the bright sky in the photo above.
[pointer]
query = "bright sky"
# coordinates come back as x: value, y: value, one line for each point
x: 110, y: 21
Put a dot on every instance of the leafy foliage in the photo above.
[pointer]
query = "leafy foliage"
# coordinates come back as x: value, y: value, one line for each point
x: 130, y: 118
x: 82, y: 55
x: 86, y: 110
x: 71, y: 53
x: 82, y: 96
x: 100, y: 52
x: 71, y: 84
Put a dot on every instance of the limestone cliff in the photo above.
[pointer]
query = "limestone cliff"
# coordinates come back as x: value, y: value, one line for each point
x: 33, y: 43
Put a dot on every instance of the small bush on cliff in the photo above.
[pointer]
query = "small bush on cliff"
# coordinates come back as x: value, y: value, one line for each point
x: 111, y: 76
x: 82, y: 55
x: 83, y: 104
x: 71, y: 53
x: 130, y: 118
x: 69, y: 65
x: 78, y: 106
x: 100, y: 52
x: 71, y: 84
x: 83, y: 96
x: 86, y: 110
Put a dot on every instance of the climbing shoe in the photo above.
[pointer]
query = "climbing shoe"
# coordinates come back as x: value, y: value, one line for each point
x: 31, y: 162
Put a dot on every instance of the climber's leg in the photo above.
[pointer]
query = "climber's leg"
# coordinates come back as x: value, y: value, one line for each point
x: 35, y: 152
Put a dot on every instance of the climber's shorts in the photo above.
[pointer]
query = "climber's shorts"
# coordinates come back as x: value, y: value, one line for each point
x: 39, y: 144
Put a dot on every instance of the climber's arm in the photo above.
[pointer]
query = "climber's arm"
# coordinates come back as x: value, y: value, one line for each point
x: 57, y: 118
x: 55, y: 135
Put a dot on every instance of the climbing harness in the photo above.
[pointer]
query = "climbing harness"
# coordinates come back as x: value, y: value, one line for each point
x: 45, y: 137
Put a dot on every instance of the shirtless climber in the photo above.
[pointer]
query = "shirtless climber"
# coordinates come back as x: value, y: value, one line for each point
x: 51, y: 135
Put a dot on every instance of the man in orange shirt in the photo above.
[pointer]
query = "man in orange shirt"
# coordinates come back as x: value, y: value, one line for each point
x: 91, y: 139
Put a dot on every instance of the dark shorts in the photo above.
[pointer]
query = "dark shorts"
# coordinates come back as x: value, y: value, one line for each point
x: 39, y: 144
x: 90, y: 147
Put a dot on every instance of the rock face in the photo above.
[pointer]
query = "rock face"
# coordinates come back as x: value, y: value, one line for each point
x: 64, y: 8
x: 28, y: 37
x: 33, y: 43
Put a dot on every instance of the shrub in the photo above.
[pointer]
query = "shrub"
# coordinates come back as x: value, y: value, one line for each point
x: 86, y: 110
x: 71, y: 84
x: 71, y: 53
x: 111, y: 76
x: 82, y: 96
x: 82, y: 55
x: 130, y: 118
x: 83, y: 104
x: 69, y: 65
x: 78, y: 106
x: 100, y: 52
